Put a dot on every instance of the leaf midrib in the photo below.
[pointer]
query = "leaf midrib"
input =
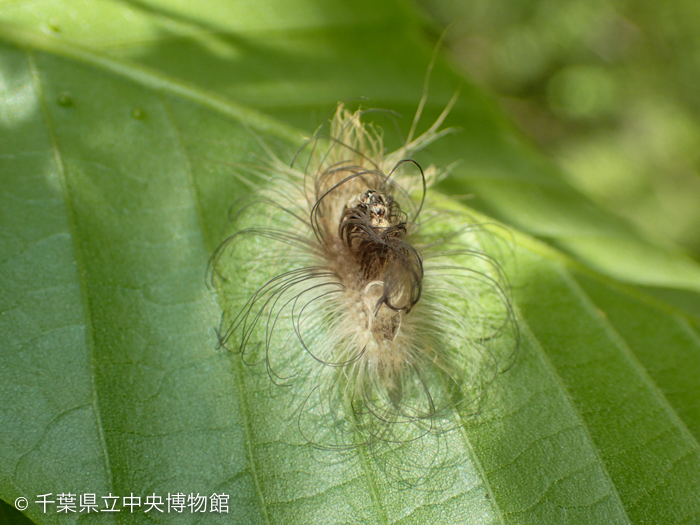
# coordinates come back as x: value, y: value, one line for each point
x: 80, y: 263
x: 238, y: 373
x: 479, y: 467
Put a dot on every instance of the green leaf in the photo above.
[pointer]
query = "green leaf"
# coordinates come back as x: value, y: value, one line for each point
x: 120, y: 127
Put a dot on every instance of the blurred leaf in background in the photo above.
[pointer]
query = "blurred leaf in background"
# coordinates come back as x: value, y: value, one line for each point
x: 608, y: 88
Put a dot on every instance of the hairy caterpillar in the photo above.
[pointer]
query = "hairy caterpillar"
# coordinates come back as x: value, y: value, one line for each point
x: 383, y: 309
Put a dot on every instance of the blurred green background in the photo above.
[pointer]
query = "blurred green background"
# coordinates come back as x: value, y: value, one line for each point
x: 608, y: 88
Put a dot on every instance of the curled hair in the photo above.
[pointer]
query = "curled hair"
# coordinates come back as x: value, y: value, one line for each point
x: 380, y: 313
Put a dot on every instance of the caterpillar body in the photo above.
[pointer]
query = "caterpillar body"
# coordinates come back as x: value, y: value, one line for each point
x: 382, y: 308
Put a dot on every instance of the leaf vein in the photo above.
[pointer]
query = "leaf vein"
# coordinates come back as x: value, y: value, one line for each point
x: 72, y: 222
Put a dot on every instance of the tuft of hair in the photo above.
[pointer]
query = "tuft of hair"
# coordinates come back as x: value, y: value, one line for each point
x: 385, y: 310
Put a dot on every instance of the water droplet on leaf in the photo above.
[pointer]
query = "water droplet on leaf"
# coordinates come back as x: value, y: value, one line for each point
x: 138, y: 114
x: 65, y: 100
